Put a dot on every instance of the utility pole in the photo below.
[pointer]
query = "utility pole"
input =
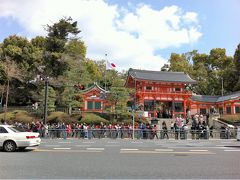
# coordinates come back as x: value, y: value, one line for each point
x: 105, y: 83
x: 45, y: 101
x: 222, y: 97
x: 134, y: 109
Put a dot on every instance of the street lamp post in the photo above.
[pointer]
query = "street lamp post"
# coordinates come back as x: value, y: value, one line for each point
x: 222, y: 98
x: 45, y: 101
x: 134, y: 109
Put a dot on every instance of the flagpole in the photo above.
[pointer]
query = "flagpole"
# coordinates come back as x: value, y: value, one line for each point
x: 105, y: 72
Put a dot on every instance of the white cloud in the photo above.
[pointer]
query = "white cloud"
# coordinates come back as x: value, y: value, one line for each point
x: 130, y: 38
x: 190, y: 17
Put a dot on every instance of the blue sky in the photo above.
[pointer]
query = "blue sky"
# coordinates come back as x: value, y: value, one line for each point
x: 137, y: 34
x: 219, y: 20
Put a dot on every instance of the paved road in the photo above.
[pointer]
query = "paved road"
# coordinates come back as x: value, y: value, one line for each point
x: 124, y: 158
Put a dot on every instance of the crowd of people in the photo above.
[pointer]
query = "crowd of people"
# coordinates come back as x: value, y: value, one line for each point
x: 62, y: 130
x: 179, y: 129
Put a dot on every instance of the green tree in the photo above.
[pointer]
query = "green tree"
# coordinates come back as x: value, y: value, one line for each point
x: 237, y: 68
x: 22, y: 52
x: 27, y: 58
x: 76, y: 49
x: 72, y: 98
x: 58, y: 35
x: 92, y: 69
x: 207, y: 69
x: 179, y: 62
x: 9, y: 71
x: 51, y: 98
x: 39, y: 42
x: 119, y: 97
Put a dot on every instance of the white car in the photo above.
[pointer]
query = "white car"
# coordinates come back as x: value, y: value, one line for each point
x: 12, y: 138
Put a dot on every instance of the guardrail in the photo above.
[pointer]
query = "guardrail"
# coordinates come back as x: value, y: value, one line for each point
x: 138, y: 134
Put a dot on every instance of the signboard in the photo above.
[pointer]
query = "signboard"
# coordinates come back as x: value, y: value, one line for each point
x: 145, y: 114
x: 238, y: 134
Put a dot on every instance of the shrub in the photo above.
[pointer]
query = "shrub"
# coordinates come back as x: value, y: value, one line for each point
x: 90, y: 118
x: 125, y: 116
x: 23, y: 116
x: 9, y: 116
x: 127, y: 121
x: 58, y: 117
x: 17, y: 116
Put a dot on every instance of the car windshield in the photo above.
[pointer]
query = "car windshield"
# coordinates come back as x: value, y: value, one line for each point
x: 17, y: 129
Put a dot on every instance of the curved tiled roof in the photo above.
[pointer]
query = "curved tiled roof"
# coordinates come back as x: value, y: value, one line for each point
x: 165, y: 76
x: 95, y: 84
x: 234, y: 95
x: 205, y: 98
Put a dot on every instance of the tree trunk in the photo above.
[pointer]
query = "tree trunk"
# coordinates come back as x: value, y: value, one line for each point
x: 6, y: 103
x: 2, y: 99
x: 70, y: 110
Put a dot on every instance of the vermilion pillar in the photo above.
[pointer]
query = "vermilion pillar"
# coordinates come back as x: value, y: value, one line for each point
x: 184, y: 108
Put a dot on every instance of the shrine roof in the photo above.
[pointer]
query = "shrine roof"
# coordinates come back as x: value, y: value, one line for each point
x: 95, y: 85
x: 164, y: 76
x: 231, y: 96
x: 206, y: 98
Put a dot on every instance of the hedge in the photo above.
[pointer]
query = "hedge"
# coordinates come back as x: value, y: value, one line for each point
x: 17, y: 116
x: 91, y: 118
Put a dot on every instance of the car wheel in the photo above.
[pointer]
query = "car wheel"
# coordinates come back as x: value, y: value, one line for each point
x: 9, y: 146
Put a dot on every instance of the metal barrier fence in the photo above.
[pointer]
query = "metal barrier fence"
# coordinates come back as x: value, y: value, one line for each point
x: 138, y: 134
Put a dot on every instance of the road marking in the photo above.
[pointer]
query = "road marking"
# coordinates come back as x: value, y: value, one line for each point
x: 226, y: 142
x: 129, y: 149
x: 65, y: 142
x: 158, y: 144
x: 205, y: 147
x: 164, y: 150
x: 74, y: 151
x: 198, y: 150
x: 137, y: 142
x: 95, y: 149
x: 112, y: 142
x: 112, y: 145
x: 83, y: 145
x: 232, y: 150
x: 52, y: 145
x: 61, y: 148
x: 88, y: 142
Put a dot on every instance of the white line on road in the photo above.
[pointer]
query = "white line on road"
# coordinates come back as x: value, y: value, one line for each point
x: 226, y: 142
x: 198, y: 150
x: 52, y: 145
x: 88, y: 142
x: 129, y: 149
x: 61, y: 148
x: 112, y: 145
x: 83, y: 145
x: 232, y: 150
x: 96, y: 149
x: 204, y: 147
x: 112, y: 142
x: 164, y: 150
x: 137, y: 142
